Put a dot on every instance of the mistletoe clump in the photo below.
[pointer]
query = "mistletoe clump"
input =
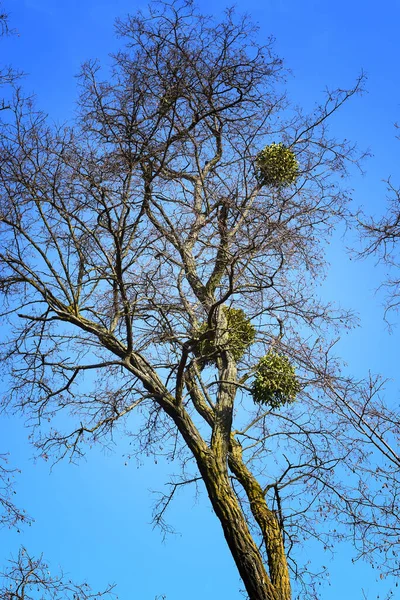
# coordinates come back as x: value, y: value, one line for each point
x: 277, y: 166
x: 275, y: 382
x: 241, y: 334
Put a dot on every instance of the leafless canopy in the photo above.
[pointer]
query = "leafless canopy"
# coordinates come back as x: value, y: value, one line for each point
x: 122, y: 235
x: 10, y: 514
x: 29, y: 578
x: 7, y: 74
x: 381, y: 237
x: 4, y: 28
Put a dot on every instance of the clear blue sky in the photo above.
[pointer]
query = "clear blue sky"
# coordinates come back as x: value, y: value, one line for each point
x: 93, y: 519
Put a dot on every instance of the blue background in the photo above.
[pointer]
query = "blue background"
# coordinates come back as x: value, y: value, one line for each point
x: 94, y: 518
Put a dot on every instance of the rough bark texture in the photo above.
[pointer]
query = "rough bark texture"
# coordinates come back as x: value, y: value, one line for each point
x: 258, y: 583
x: 247, y: 557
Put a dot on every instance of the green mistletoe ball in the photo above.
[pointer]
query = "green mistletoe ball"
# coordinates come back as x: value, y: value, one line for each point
x: 241, y: 334
x: 275, y: 383
x: 276, y: 166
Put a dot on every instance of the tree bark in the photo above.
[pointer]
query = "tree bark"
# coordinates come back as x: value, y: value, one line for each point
x: 246, y: 555
x: 258, y: 583
x: 266, y: 520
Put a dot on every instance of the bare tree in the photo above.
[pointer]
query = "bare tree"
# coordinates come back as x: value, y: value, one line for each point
x: 10, y: 514
x: 29, y: 578
x: 381, y: 239
x: 4, y: 21
x: 154, y: 262
x: 8, y: 75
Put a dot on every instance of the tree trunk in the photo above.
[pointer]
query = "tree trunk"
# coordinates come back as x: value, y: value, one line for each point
x: 258, y: 583
x: 266, y: 520
x: 247, y: 556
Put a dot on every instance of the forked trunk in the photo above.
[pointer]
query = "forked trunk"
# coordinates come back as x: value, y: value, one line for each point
x: 247, y: 556
x: 259, y: 584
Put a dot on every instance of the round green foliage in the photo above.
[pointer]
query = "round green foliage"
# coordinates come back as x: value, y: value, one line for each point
x: 241, y: 334
x: 275, y: 382
x: 276, y: 166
